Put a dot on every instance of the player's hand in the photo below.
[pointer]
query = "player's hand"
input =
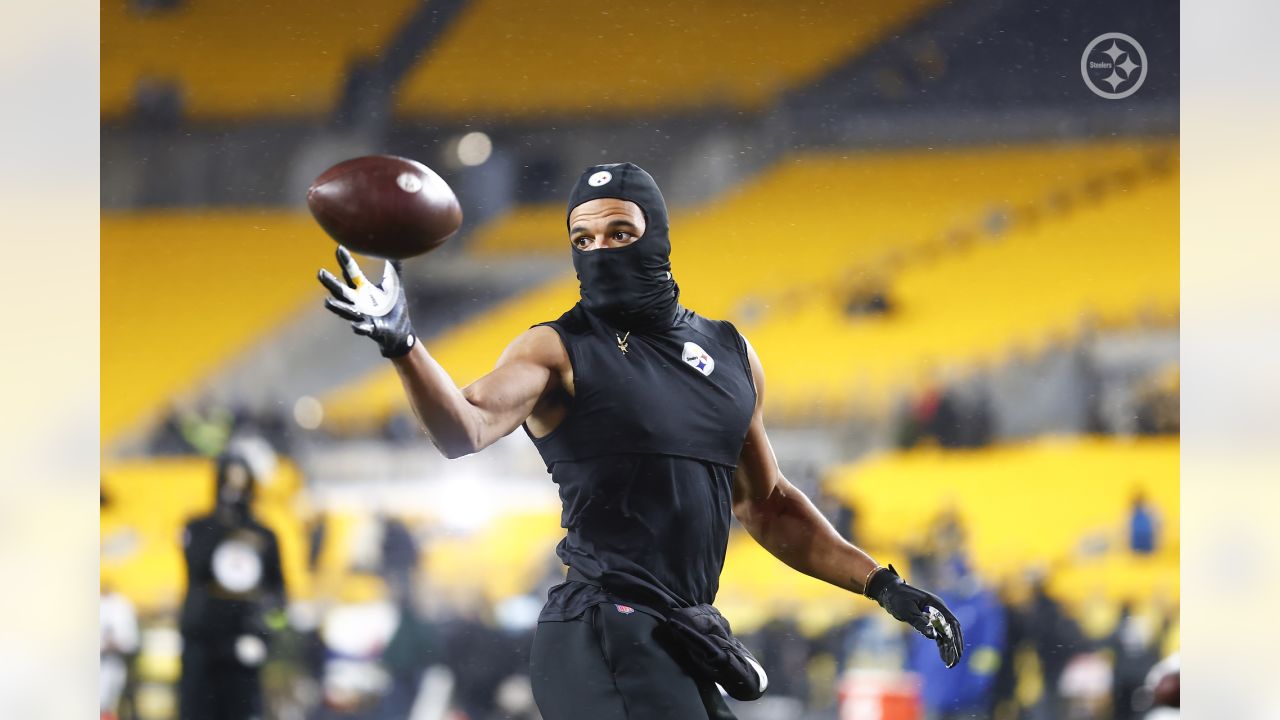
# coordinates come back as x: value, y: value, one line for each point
x: 378, y: 311
x: 920, y: 609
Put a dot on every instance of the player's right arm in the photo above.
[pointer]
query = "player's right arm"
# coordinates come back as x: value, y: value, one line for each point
x: 461, y: 422
x: 458, y: 421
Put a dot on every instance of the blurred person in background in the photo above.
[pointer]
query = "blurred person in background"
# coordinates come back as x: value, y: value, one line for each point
x: 1085, y: 690
x: 414, y: 646
x: 649, y: 417
x: 866, y: 295
x: 1156, y: 410
x: 953, y: 415
x: 235, y: 590
x: 317, y: 533
x: 482, y: 656
x: 1013, y: 597
x: 117, y: 648
x: 969, y: 690
x: 1135, y: 649
x: 1057, y: 638
x: 784, y: 649
x: 399, y: 557
x: 1142, y: 525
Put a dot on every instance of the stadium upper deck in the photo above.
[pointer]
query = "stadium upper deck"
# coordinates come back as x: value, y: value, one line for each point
x: 233, y: 60
x: 635, y: 58
x: 240, y: 61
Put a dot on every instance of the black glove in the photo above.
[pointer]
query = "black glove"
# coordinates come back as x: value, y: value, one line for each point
x: 701, y: 640
x: 378, y: 311
x: 920, y: 609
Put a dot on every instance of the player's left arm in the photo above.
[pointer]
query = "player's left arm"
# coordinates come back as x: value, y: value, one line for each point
x: 781, y: 518
x: 274, y: 597
x: 273, y: 570
x: 784, y: 521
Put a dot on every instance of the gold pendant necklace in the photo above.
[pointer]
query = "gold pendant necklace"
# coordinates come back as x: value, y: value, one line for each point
x: 622, y: 341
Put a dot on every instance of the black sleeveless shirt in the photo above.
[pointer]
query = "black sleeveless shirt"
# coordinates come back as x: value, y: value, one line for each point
x: 644, y: 459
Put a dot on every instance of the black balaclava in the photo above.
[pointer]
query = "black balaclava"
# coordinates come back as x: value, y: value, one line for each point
x: 629, y: 287
x: 234, y: 488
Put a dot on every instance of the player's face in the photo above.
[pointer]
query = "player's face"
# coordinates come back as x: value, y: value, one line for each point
x: 605, y: 223
x: 236, y: 485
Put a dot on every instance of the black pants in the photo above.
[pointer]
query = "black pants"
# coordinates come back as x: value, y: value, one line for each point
x: 606, y: 665
x: 215, y: 687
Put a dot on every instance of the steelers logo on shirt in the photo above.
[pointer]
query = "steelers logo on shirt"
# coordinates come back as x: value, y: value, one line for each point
x: 236, y: 566
x: 698, y: 359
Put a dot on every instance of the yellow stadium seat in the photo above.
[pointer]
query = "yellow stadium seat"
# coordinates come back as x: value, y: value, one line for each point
x: 1115, y: 261
x: 1029, y: 505
x: 511, y: 60
x: 1119, y: 577
x: 502, y: 560
x: 232, y: 59
x: 181, y: 293
x: 528, y: 229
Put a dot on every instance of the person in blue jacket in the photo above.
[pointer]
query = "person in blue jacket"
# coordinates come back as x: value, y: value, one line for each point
x: 968, y: 689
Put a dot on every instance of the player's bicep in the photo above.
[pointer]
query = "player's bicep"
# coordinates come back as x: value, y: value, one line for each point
x: 507, y: 395
x: 758, y: 473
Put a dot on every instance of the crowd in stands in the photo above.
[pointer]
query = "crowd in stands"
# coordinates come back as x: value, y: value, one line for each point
x: 1030, y: 655
x: 948, y: 416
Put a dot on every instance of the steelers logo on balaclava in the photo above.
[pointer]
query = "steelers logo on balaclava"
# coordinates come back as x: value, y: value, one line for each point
x: 629, y: 287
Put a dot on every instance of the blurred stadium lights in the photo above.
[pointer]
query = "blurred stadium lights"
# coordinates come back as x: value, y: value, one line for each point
x: 473, y: 149
x: 308, y: 412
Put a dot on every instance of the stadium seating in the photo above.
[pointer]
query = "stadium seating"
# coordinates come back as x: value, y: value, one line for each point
x: 1115, y: 261
x: 170, y: 317
x: 237, y: 59
x: 1058, y: 504
x: 525, y: 230
x: 148, y: 502
x: 774, y: 255
x: 633, y: 58
x: 522, y: 544
x: 815, y: 218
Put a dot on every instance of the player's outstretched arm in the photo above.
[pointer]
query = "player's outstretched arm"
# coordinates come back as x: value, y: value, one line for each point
x: 786, y: 523
x: 458, y: 421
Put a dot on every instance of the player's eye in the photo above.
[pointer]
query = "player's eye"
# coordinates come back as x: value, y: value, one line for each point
x: 581, y: 241
x: 623, y: 236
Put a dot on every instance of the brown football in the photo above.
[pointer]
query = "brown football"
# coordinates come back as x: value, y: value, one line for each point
x: 385, y: 206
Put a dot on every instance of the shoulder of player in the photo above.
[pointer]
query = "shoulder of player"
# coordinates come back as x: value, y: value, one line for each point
x: 199, y: 523
x: 263, y: 530
x: 721, y: 331
x: 757, y: 369
x: 540, y: 344
x: 573, y: 321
